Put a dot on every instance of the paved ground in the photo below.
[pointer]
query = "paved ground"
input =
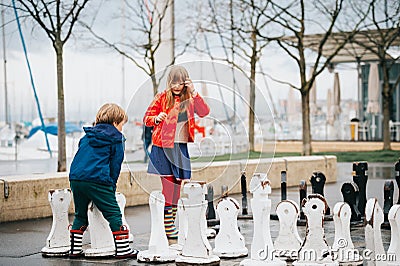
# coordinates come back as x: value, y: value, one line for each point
x: 21, y: 242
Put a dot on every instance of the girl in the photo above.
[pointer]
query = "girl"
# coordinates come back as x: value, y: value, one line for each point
x: 172, y: 115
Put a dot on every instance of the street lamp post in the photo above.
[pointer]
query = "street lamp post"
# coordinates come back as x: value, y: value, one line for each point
x: 7, y: 118
x: 359, y: 85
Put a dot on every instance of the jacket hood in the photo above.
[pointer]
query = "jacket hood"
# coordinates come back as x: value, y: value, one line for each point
x: 103, y: 135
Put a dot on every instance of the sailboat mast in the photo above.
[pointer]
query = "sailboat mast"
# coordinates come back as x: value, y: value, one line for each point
x: 8, y: 122
x: 123, y: 28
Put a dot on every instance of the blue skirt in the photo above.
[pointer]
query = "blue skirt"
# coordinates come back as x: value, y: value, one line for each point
x: 170, y: 161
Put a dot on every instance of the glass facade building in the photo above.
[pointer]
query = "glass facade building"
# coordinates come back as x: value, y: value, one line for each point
x: 395, y: 101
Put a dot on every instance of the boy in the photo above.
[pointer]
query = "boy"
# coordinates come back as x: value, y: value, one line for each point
x: 93, y: 177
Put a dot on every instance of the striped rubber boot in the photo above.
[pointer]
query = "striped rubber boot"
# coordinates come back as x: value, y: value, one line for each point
x: 122, y: 248
x: 170, y: 229
x: 76, y: 243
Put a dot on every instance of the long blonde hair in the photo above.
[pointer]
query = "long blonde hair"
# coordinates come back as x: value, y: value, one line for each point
x: 178, y: 74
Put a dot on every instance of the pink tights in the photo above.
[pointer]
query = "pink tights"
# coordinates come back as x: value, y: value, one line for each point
x: 171, y: 189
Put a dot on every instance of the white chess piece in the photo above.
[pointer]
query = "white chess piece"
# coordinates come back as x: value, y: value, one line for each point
x: 373, y: 237
x: 101, y: 238
x: 394, y: 247
x: 196, y: 249
x: 288, y: 241
x: 121, y: 200
x: 183, y: 226
x: 315, y: 250
x: 343, y: 246
x: 159, y: 250
x: 229, y: 242
x: 262, y: 248
x: 58, y: 241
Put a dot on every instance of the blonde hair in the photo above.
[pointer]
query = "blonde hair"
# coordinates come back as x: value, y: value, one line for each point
x: 178, y: 74
x: 110, y: 113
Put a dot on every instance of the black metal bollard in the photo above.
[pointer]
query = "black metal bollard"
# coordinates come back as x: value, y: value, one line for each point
x: 283, y: 186
x: 210, y: 199
x: 360, y: 177
x: 243, y: 186
x: 388, y: 190
x: 350, y: 194
x: 303, y: 195
x: 224, y: 191
x: 317, y: 181
x: 397, y: 177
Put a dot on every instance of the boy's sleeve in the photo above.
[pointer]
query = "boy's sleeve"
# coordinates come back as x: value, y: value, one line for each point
x: 117, y: 157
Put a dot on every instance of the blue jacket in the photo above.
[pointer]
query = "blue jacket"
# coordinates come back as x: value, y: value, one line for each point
x: 99, y: 156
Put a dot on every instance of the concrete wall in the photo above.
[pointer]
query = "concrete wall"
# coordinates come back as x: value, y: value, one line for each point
x: 331, y: 146
x: 28, y: 195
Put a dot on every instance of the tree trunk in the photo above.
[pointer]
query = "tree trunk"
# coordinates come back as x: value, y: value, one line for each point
x: 253, y: 62
x: 386, y: 101
x: 251, y: 112
x: 155, y: 84
x: 62, y: 158
x: 305, y: 96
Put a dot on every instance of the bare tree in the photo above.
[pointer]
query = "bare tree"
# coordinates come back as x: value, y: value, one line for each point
x: 380, y: 32
x: 143, y: 39
x: 295, y: 19
x: 57, y: 19
x: 239, y: 29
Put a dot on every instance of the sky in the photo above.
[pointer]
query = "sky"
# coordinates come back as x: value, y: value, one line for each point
x: 94, y: 76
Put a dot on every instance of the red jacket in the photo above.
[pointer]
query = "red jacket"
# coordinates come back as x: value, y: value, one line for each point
x: 164, y: 132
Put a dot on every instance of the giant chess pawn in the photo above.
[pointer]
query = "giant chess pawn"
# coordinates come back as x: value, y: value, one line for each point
x: 318, y: 181
x: 360, y: 177
x: 303, y: 195
x: 210, y: 233
x: 394, y: 247
x: 243, y: 186
x: 229, y: 243
x: 388, y: 190
x: 158, y: 244
x: 343, y: 245
x: 288, y: 238
x: 210, y: 198
x: 101, y: 238
x: 183, y: 222
x: 397, y: 177
x: 373, y: 237
x: 350, y: 194
x: 315, y: 250
x: 121, y: 200
x: 58, y: 241
x: 196, y: 249
x: 262, y: 248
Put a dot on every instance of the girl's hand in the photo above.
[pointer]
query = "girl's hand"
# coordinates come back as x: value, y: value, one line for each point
x: 161, y: 117
x: 190, y: 86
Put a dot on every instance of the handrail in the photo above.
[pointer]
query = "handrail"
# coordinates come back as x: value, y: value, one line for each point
x: 6, y: 188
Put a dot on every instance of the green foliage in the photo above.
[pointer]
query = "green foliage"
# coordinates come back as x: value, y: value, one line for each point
x: 369, y: 156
